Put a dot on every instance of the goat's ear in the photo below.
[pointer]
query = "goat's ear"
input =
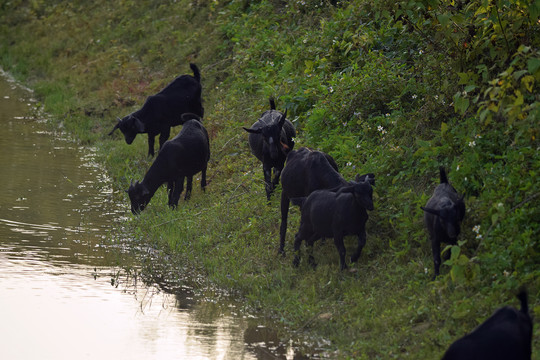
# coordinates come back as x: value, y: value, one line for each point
x: 253, y: 131
x: 139, y: 125
x: 431, y: 211
x: 367, y: 177
x: 116, y: 126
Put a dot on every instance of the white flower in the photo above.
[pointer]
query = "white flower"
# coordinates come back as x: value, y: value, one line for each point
x: 421, y: 52
x: 436, y: 97
x: 457, y: 167
x: 476, y: 228
x: 331, y: 89
x: 414, y: 96
x: 358, y: 146
x: 506, y: 273
x: 425, y: 270
x: 387, y: 115
x: 472, y: 143
x: 349, y: 163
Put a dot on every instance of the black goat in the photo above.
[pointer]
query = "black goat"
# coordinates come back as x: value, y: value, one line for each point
x: 183, y: 156
x: 162, y: 111
x: 307, y: 170
x: 270, y: 139
x: 334, y: 213
x: 443, y: 215
x: 507, y: 334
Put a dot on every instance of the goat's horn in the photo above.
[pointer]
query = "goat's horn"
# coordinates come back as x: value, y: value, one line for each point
x: 114, y: 128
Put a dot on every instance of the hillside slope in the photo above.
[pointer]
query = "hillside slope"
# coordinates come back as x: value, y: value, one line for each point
x: 397, y: 88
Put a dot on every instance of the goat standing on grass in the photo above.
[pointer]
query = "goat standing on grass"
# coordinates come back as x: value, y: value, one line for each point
x: 308, y: 170
x: 443, y: 215
x: 162, y: 111
x: 183, y: 156
x: 270, y: 140
x: 335, y: 214
x: 507, y: 334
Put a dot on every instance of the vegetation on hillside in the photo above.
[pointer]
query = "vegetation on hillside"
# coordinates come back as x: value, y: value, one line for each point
x: 397, y: 88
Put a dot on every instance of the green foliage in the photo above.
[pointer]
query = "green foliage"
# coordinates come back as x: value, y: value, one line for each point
x: 397, y: 88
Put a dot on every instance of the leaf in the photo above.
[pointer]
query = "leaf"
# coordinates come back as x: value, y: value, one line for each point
x: 461, y: 104
x: 533, y: 65
x: 444, y: 128
x: 528, y: 82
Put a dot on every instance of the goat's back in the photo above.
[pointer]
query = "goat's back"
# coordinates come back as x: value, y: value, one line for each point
x: 505, y: 335
x: 329, y: 212
x: 309, y: 170
x: 189, y: 150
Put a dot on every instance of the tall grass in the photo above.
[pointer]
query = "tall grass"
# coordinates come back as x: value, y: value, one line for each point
x: 388, y: 88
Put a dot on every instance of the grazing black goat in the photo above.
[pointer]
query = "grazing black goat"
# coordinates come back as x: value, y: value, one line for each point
x: 162, y: 111
x: 307, y: 170
x: 183, y: 156
x: 507, y: 334
x: 443, y: 215
x: 334, y: 213
x: 270, y: 140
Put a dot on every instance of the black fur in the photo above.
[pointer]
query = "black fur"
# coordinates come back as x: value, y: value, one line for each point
x: 443, y: 215
x: 162, y: 111
x: 507, y: 334
x: 183, y: 156
x: 335, y: 213
x: 270, y: 140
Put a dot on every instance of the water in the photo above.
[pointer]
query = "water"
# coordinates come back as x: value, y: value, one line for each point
x: 61, y: 297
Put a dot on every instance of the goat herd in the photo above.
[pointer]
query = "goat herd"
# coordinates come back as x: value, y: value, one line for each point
x: 330, y: 205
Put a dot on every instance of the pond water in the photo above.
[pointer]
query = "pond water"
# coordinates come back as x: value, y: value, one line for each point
x: 62, y: 296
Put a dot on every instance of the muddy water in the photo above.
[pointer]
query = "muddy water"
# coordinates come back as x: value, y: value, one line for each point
x: 61, y: 294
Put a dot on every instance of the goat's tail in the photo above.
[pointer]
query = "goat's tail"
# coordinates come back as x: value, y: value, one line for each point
x: 442, y: 174
x: 272, y: 104
x: 522, y: 296
x: 196, y: 72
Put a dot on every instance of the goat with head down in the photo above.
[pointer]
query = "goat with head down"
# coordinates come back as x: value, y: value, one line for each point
x: 335, y: 213
x: 271, y: 139
x: 308, y: 170
x: 181, y: 157
x: 507, y: 334
x: 443, y: 215
x: 163, y: 110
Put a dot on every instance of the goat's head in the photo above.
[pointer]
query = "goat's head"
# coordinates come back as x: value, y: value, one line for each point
x: 450, y: 215
x: 139, y: 197
x: 271, y: 136
x: 362, y: 191
x: 130, y: 126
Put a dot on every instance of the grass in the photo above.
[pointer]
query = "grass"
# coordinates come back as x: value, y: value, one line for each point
x: 381, y: 91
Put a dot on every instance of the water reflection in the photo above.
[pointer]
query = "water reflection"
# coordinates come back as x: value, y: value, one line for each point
x: 62, y: 295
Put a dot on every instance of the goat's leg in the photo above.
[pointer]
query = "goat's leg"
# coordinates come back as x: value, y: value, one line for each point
x: 436, y: 251
x: 283, y: 227
x: 361, y: 244
x: 277, y: 174
x: 297, y: 243
x: 150, y: 145
x: 175, y: 189
x: 164, y: 136
x: 338, y: 241
x: 310, y: 243
x: 267, y: 169
x: 203, y: 179
x: 189, y: 184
